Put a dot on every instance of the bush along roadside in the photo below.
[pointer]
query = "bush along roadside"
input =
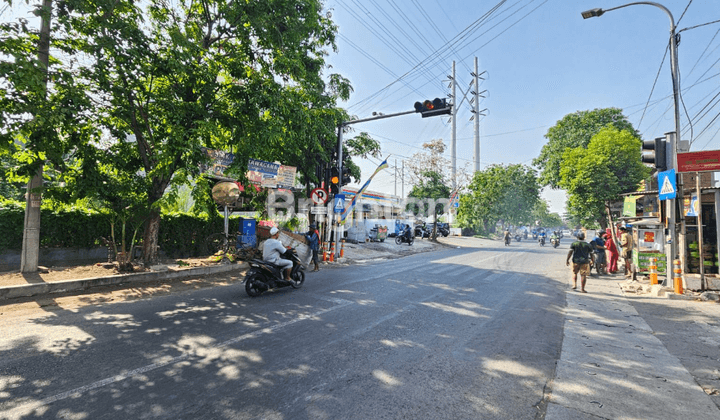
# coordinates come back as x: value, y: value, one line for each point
x: 181, y: 234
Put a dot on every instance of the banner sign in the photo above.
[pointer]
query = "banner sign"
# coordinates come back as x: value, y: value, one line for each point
x: 630, y: 206
x: 270, y: 174
x: 220, y: 161
x: 705, y: 161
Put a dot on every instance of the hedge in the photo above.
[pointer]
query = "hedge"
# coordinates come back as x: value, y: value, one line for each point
x: 181, y: 235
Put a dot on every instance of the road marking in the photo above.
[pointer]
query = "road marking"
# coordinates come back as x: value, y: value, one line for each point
x: 25, y: 409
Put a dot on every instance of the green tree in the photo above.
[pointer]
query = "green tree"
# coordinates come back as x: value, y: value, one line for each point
x: 431, y: 187
x: 595, y: 176
x: 241, y: 75
x: 542, y: 215
x: 499, y: 193
x: 575, y: 130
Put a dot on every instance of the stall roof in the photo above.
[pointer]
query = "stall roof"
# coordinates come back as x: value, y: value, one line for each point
x: 653, y: 222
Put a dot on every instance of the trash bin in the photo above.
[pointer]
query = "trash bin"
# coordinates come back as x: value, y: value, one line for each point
x: 247, y: 237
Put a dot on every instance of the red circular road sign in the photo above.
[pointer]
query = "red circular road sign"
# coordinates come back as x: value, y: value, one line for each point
x: 319, y: 196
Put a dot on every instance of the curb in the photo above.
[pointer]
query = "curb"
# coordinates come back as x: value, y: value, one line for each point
x: 28, y: 290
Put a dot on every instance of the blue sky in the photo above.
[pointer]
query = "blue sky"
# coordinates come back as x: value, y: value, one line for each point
x: 543, y: 61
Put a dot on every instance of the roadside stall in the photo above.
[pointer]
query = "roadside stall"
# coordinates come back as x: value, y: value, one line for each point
x: 649, y: 242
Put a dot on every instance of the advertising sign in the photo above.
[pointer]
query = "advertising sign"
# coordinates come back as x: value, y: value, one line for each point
x: 704, y: 161
x: 220, y: 161
x: 270, y: 174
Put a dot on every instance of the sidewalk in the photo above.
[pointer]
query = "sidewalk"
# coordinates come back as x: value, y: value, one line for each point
x: 612, y: 364
x: 16, y: 285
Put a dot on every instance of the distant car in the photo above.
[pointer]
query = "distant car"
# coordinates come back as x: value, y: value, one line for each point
x: 566, y: 232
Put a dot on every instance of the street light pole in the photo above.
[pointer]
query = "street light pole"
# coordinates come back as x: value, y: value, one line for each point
x: 674, y: 247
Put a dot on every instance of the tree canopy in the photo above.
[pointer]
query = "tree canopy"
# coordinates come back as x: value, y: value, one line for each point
x: 596, y: 175
x: 499, y: 193
x: 575, y: 130
x: 139, y: 88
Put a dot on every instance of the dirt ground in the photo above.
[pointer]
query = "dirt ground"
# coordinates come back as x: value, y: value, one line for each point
x: 108, y: 294
x: 53, y: 274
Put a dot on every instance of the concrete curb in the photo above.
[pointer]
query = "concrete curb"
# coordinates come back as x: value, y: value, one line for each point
x: 28, y: 290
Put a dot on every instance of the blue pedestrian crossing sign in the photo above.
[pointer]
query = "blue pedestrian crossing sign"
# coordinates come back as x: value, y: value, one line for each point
x: 339, y: 203
x: 667, y: 185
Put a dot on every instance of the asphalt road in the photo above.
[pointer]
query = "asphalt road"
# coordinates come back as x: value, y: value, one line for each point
x: 460, y: 333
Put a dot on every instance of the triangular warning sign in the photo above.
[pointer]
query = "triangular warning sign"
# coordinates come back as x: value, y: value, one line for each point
x: 667, y: 187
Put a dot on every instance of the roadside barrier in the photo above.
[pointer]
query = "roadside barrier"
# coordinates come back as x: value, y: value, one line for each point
x: 324, y: 250
x: 653, y: 271
x: 332, y: 252
x: 342, y: 249
x: 677, y: 277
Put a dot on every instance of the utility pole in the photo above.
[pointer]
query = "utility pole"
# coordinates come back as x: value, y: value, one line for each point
x: 33, y: 197
x: 402, y: 178
x: 477, y: 116
x: 453, y: 142
x: 396, y: 168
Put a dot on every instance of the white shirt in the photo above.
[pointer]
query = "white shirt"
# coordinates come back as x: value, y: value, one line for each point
x: 272, y: 249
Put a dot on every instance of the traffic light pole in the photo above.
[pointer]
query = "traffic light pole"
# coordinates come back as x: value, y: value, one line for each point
x: 341, y: 126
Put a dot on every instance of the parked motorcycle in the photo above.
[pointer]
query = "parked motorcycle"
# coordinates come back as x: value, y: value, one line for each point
x: 264, y: 276
x: 405, y: 237
x: 444, y: 229
x: 422, y: 231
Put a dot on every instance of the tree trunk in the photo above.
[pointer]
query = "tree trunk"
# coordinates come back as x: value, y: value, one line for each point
x: 150, y: 237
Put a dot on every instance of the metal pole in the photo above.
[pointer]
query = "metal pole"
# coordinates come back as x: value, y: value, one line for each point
x: 700, y: 231
x: 453, y: 145
x: 332, y: 215
x: 477, y: 116
x: 396, y: 168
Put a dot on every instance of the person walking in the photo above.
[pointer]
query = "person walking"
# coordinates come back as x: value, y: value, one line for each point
x: 626, y: 243
x: 313, y: 239
x: 613, y: 253
x: 582, y: 255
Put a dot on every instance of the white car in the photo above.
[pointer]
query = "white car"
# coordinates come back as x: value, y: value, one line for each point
x: 566, y: 233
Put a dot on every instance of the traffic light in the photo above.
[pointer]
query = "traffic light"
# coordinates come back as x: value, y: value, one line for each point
x: 432, y: 108
x: 655, y: 153
x: 334, y: 180
x: 345, y: 176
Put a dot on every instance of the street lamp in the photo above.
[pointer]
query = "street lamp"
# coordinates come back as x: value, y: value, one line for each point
x: 673, y: 140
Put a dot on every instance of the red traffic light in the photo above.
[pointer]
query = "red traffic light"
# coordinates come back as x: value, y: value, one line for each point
x: 430, y: 108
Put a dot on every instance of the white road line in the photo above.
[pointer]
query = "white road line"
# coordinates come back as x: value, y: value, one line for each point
x: 24, y: 409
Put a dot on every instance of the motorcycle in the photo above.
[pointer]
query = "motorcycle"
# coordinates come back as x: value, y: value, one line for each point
x: 444, y: 229
x: 541, y: 240
x: 518, y: 237
x: 507, y: 241
x: 264, y: 275
x: 422, y: 231
x: 555, y: 242
x: 405, y: 237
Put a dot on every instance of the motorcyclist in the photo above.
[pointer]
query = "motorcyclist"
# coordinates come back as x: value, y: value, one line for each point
x: 272, y: 251
x: 541, y: 236
x: 407, y: 232
x: 555, y: 236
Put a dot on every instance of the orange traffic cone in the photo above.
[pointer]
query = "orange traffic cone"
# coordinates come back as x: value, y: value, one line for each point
x: 332, y: 251
x: 342, y: 249
x: 324, y: 252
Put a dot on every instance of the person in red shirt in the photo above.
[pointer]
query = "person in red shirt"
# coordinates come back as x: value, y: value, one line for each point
x: 613, y: 253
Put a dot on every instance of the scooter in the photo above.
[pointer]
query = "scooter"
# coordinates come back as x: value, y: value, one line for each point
x: 555, y: 242
x: 405, y: 237
x: 507, y: 241
x: 541, y: 240
x: 264, y: 276
x: 518, y: 237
